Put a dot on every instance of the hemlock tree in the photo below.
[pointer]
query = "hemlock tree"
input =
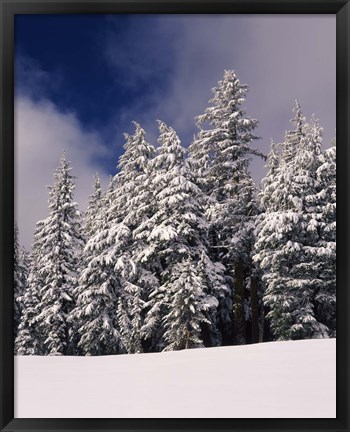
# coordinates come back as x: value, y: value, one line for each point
x: 58, y: 264
x: 288, y: 247
x: 220, y: 155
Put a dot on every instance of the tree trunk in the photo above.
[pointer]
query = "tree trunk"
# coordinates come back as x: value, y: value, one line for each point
x: 238, y: 302
x: 254, y: 307
x: 261, y: 324
x: 187, y: 338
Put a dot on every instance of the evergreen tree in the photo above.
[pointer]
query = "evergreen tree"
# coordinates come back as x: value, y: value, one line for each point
x: 20, y: 280
x: 93, y: 316
x: 93, y: 209
x: 288, y: 238
x: 91, y: 223
x: 221, y: 155
x: 112, y: 321
x: 29, y: 339
x: 325, y: 295
x: 213, y: 280
x: 176, y: 232
x: 187, y: 307
x: 133, y: 203
x: 59, y: 259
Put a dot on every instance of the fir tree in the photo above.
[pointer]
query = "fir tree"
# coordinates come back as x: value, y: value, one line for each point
x: 109, y: 302
x: 213, y: 279
x: 187, y: 307
x: 58, y: 264
x: 20, y: 280
x: 133, y: 203
x: 29, y: 339
x: 93, y: 209
x: 93, y: 316
x: 176, y: 232
x: 325, y: 296
x: 288, y: 238
x: 221, y: 155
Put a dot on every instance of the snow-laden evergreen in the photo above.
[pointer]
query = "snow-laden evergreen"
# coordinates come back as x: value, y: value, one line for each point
x: 93, y: 209
x: 135, y: 204
x: 29, y: 340
x: 21, y: 269
x: 90, y: 276
x: 95, y: 295
x: 188, y: 304
x: 221, y: 155
x: 61, y: 245
x: 222, y: 151
x: 288, y: 245
x: 175, y: 233
x: 109, y: 301
x: 325, y: 297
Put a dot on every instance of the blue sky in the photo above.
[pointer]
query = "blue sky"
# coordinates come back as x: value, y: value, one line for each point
x: 80, y: 80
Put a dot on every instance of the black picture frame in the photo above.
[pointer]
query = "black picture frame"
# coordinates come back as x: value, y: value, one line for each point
x: 8, y: 9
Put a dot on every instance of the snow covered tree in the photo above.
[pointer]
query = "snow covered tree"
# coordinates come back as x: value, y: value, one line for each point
x: 58, y: 265
x: 29, y: 339
x: 93, y: 316
x: 213, y: 280
x: 177, y: 230
x: 20, y: 280
x: 187, y: 307
x: 133, y: 202
x: 130, y: 312
x: 93, y: 208
x: 92, y: 330
x: 325, y: 296
x: 222, y: 151
x: 221, y: 155
x: 288, y: 245
x: 109, y: 302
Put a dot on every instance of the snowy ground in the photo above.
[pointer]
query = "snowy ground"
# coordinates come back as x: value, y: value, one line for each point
x: 276, y: 379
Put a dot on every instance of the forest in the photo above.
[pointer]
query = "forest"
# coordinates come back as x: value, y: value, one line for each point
x: 184, y: 250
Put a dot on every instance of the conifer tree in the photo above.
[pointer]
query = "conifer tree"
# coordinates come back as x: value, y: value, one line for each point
x: 176, y: 233
x: 59, y: 259
x: 93, y: 209
x: 133, y: 203
x: 325, y: 296
x: 221, y: 155
x: 288, y: 238
x: 29, y: 340
x: 94, y: 314
x: 109, y: 302
x: 187, y: 307
x: 20, y: 280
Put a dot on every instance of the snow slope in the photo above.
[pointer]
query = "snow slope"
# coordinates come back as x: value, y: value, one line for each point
x: 276, y: 379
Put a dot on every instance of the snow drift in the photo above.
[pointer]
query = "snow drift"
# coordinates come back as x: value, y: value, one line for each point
x: 276, y: 379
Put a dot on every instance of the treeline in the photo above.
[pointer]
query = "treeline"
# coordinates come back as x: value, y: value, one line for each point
x: 183, y: 250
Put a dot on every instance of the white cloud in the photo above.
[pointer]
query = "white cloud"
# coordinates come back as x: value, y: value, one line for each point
x: 42, y: 132
x: 281, y: 58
